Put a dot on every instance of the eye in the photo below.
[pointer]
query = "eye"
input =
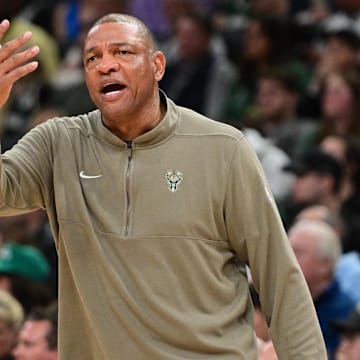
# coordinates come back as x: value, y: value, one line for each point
x: 124, y: 54
x: 90, y: 59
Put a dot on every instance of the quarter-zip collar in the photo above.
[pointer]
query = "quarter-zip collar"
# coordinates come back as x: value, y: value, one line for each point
x: 162, y: 131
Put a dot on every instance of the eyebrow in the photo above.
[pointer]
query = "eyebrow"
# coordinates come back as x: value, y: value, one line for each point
x: 116, y: 44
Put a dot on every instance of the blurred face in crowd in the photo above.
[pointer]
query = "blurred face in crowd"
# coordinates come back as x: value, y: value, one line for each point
x: 8, y: 337
x: 32, y: 343
x: 273, y: 100
x: 349, y: 348
x: 307, y: 188
x: 305, y: 247
x: 337, y: 100
x: 192, y: 40
x: 256, y: 44
x: 121, y: 70
x: 271, y: 7
x: 339, y: 54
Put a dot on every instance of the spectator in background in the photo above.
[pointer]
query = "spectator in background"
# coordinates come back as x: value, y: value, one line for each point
x: 23, y: 273
x: 273, y: 159
x: 347, y: 150
x: 339, y: 52
x: 33, y: 229
x: 350, y: 209
x: 349, y: 329
x: 318, y: 180
x: 340, y: 108
x: 265, y: 43
x: 198, y: 77
x: 38, y: 336
x: 348, y: 269
x: 11, y: 320
x: 322, y: 213
x: 318, y: 247
x: 275, y: 114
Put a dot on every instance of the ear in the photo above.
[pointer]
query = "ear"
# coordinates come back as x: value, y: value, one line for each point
x: 159, y: 64
x: 326, y: 267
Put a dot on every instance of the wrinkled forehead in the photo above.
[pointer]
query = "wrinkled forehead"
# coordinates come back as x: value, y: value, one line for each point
x: 117, y: 32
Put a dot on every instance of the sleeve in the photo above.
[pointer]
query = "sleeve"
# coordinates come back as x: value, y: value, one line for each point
x: 26, y: 173
x: 257, y: 235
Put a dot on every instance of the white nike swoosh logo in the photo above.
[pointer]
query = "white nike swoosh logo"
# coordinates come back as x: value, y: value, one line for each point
x: 84, y: 176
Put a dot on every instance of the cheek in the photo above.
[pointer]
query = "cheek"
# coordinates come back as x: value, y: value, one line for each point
x: 336, y: 103
x: 301, y: 189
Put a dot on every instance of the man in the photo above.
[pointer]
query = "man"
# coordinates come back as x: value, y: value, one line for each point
x: 317, y: 248
x: 153, y: 216
x: 349, y: 329
x: 276, y: 104
x: 198, y: 75
x: 23, y: 273
x: 38, y: 336
x: 318, y: 179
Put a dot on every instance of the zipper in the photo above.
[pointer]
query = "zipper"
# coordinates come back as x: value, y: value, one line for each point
x: 128, y: 202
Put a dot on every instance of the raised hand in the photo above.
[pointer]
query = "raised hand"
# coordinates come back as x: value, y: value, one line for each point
x: 15, y: 62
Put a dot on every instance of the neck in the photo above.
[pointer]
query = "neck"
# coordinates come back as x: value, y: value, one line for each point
x: 342, y: 124
x: 130, y: 127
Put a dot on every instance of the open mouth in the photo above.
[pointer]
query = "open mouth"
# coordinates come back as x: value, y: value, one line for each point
x: 112, y: 88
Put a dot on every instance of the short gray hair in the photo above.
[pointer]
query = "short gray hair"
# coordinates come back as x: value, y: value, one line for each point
x: 328, y: 241
x: 127, y: 19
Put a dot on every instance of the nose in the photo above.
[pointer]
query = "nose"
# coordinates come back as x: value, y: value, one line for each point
x: 108, y: 64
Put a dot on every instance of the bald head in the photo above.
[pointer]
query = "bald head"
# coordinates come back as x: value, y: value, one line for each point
x: 142, y: 29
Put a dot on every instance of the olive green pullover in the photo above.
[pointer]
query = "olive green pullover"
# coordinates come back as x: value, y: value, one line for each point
x: 153, y: 237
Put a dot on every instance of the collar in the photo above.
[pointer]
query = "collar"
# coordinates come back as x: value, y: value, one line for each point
x: 162, y: 131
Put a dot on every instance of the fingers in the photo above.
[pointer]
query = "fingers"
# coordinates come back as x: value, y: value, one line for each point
x: 4, y: 26
x: 14, y: 45
x: 16, y: 61
x: 14, y: 58
x: 20, y: 72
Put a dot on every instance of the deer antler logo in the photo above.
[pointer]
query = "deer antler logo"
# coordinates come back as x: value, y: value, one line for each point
x: 174, y: 178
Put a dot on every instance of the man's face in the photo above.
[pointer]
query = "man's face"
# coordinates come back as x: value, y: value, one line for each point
x: 121, y: 70
x: 350, y: 347
x: 8, y: 337
x: 340, y: 54
x: 32, y: 343
x: 193, y: 42
x: 337, y: 98
x: 307, y: 188
x: 305, y: 249
x: 273, y: 100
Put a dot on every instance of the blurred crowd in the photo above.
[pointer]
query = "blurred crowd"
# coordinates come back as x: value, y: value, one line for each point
x: 285, y: 72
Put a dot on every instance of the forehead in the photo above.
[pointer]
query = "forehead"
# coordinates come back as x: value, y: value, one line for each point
x: 302, y: 239
x: 35, y: 329
x: 114, y: 32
